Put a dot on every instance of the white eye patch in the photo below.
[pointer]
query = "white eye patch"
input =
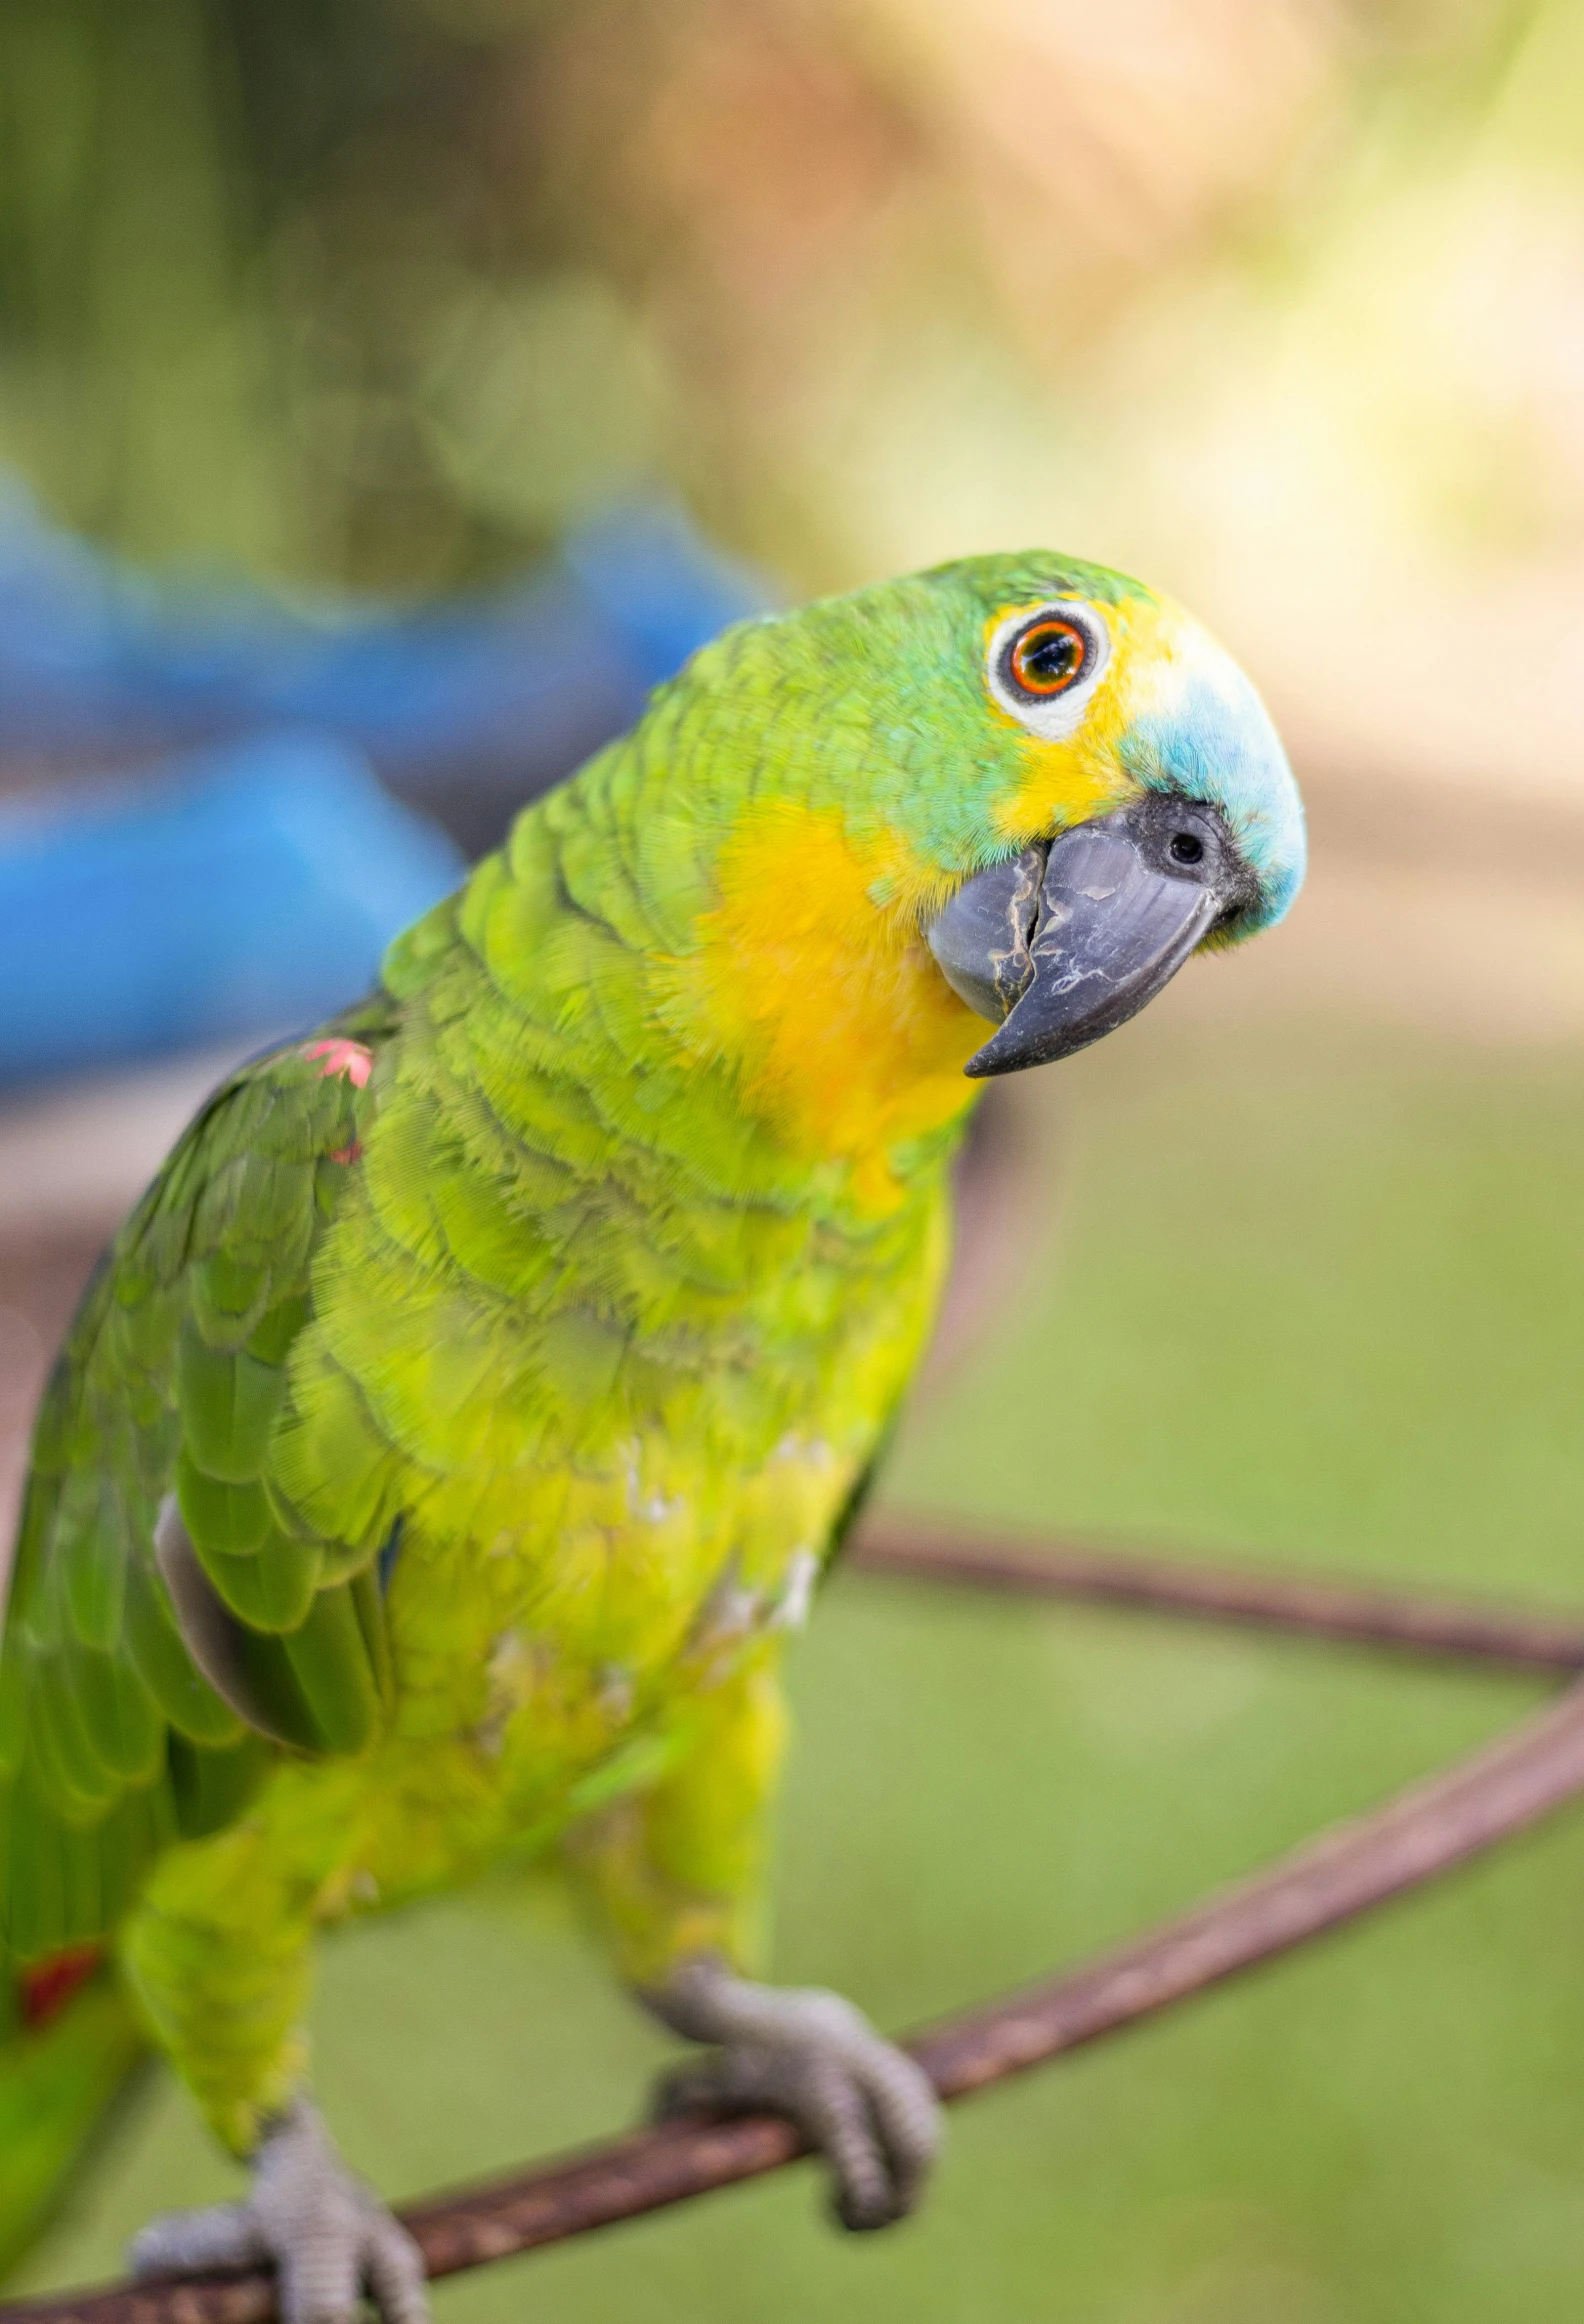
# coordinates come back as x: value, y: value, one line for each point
x: 1044, y: 666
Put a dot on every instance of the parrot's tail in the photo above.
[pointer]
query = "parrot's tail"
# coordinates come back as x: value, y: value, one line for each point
x: 68, y: 2040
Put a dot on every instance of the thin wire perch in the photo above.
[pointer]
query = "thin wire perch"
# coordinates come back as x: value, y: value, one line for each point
x: 1424, y: 1830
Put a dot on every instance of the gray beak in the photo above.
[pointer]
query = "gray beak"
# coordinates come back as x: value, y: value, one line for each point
x: 1069, y: 940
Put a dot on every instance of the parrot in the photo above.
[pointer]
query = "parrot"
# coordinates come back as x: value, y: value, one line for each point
x: 451, y: 1440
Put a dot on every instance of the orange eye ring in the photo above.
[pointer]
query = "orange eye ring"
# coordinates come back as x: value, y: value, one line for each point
x: 1050, y: 656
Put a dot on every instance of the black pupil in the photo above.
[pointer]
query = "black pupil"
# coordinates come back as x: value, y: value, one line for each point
x: 1054, y: 655
x: 1187, y: 847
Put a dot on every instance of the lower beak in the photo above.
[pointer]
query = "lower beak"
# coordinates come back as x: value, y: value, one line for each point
x: 1065, y: 944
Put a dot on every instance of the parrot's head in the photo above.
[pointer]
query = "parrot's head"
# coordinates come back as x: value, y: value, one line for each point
x: 1133, y: 803
x: 1020, y: 789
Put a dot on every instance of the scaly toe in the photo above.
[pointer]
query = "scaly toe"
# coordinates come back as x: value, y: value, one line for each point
x: 330, y: 2238
x: 187, y: 2243
x: 813, y: 2057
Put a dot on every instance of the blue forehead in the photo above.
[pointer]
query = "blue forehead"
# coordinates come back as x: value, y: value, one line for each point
x: 1218, y: 744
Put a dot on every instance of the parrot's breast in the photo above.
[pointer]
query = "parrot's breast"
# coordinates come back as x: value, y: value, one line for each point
x: 610, y: 1327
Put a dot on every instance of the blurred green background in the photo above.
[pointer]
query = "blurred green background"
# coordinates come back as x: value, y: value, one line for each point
x: 1280, y: 302
x: 1276, y: 301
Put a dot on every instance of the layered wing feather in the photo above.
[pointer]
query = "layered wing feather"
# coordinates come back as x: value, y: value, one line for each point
x: 113, y: 1741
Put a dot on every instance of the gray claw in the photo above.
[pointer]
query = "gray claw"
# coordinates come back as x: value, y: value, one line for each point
x: 330, y: 2237
x: 813, y: 2057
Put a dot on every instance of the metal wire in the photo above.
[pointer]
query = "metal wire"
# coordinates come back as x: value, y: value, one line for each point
x: 1265, y: 1597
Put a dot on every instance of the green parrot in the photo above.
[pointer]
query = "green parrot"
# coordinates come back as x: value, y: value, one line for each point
x: 452, y: 1437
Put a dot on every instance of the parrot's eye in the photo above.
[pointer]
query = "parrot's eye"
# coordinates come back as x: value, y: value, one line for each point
x: 1186, y: 847
x: 1048, y: 657
x: 1044, y: 665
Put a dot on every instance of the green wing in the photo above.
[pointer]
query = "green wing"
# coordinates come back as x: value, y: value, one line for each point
x: 113, y: 1740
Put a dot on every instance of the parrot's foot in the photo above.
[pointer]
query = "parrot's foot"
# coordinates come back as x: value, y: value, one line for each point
x: 813, y: 2057
x: 329, y: 2236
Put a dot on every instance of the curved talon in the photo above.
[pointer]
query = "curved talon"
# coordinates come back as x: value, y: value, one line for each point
x: 815, y: 2058
x: 330, y: 2237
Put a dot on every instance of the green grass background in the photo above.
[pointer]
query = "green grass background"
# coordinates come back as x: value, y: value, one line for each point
x: 1308, y: 1292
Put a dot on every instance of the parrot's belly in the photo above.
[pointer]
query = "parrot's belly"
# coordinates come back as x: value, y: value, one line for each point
x: 563, y: 1662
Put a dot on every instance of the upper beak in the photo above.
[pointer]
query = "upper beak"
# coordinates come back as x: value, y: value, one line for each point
x: 1068, y: 941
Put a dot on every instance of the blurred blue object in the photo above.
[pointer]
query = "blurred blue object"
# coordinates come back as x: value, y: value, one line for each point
x: 253, y: 887
x: 466, y: 708
x: 250, y: 890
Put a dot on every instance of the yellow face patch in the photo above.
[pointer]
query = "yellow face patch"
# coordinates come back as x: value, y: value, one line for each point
x: 824, y: 997
x: 1082, y: 776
